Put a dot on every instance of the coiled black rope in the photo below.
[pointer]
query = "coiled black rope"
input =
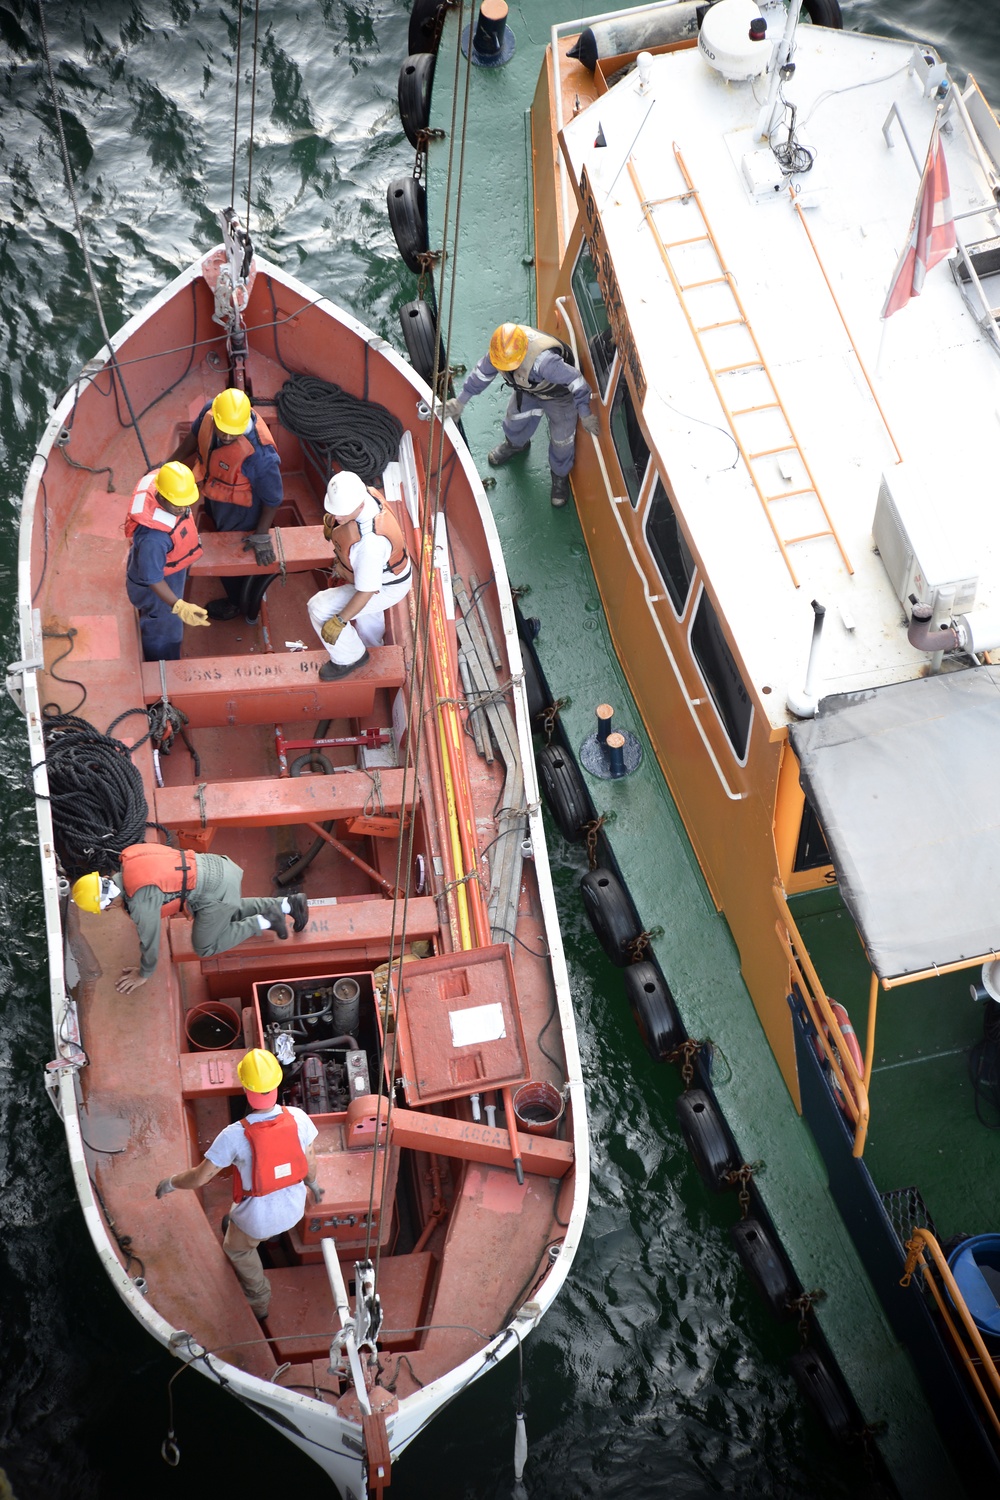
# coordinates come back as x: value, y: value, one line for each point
x: 337, y: 428
x: 98, y: 802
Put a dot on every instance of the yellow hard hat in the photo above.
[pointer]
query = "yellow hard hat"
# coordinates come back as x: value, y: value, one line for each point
x: 508, y: 346
x: 93, y: 892
x: 176, y: 484
x: 259, y: 1071
x: 231, y: 411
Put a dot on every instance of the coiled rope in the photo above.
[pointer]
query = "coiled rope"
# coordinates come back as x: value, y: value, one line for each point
x: 337, y: 428
x: 98, y: 802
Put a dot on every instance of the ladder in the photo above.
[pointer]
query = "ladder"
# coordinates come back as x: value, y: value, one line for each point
x: 764, y: 421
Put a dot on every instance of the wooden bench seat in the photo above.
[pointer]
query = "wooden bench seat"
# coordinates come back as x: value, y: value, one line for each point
x: 278, y: 801
x: 343, y: 928
x: 283, y: 687
x: 302, y: 548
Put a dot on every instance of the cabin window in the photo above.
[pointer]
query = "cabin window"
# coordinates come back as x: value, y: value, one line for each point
x: 811, y: 852
x: 670, y: 550
x: 594, y: 317
x: 631, y: 445
x: 722, y: 677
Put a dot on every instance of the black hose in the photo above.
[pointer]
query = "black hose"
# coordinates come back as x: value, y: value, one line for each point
x: 255, y: 586
x: 334, y: 1044
x: 339, y: 429
x: 312, y: 757
x: 98, y: 801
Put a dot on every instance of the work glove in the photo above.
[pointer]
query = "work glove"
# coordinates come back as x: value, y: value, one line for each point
x: 590, y: 424
x: 191, y: 614
x: 164, y: 1187
x: 332, y: 628
x: 316, y: 1191
x: 330, y: 524
x: 453, y: 409
x: 259, y: 542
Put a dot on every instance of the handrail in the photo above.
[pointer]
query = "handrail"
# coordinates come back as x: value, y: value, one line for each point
x: 923, y: 1240
x: 616, y: 504
x: 852, y: 1084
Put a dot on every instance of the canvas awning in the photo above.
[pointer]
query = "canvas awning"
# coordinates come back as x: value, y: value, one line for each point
x: 905, y: 780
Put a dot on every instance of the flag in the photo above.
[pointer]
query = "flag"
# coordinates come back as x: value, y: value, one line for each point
x: 932, y: 230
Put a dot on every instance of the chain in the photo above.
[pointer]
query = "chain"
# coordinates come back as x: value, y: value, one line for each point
x: 685, y: 1054
x: 638, y: 946
x: 913, y: 1250
x: 548, y: 717
x: 590, y: 832
x: 804, y: 1305
x: 744, y: 1176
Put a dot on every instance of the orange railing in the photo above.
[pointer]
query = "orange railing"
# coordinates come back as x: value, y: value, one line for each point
x: 978, y: 1362
x: 852, y: 1084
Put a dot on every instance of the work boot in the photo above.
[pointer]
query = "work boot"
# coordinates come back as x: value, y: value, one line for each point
x: 330, y: 671
x: 300, y: 911
x: 503, y: 453
x: 278, y: 924
x: 221, y: 609
x: 560, y: 490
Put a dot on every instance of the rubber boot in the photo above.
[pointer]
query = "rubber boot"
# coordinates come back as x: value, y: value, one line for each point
x: 503, y: 453
x: 560, y: 489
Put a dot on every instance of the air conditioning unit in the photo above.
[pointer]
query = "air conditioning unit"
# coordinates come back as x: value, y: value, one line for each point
x: 920, y: 549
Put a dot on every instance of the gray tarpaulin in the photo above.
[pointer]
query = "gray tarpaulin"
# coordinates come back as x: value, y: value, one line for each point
x: 906, y: 783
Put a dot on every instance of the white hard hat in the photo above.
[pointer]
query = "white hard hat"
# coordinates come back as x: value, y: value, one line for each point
x: 344, y: 494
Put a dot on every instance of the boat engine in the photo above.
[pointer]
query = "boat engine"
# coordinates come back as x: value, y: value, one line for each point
x: 313, y: 1028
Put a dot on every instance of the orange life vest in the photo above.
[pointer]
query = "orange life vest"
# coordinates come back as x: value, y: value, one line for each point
x: 146, y: 510
x: 278, y: 1160
x: 219, y: 471
x: 385, y: 524
x: 173, y: 871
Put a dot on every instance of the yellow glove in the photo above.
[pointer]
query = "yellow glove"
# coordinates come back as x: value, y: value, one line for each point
x: 332, y: 628
x: 191, y: 614
x: 329, y: 525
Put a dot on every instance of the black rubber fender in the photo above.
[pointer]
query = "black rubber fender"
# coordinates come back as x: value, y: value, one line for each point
x: 824, y: 13
x: 653, y: 1009
x: 707, y: 1138
x: 765, y: 1264
x: 610, y: 912
x: 564, y: 791
x: 425, y: 31
x: 413, y: 94
x: 537, y: 699
x: 406, y: 200
x: 416, y: 319
x: 822, y: 1386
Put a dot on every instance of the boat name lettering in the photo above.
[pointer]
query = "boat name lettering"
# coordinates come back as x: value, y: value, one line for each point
x: 610, y: 290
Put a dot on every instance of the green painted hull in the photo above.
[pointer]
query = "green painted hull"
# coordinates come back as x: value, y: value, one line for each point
x: 490, y: 279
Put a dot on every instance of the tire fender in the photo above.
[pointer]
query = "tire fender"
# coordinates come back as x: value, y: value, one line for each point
x: 610, y: 913
x: 564, y: 791
x: 707, y: 1138
x: 653, y: 1009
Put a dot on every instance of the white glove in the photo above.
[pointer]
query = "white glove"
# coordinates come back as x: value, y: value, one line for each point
x: 453, y: 409
x: 590, y: 424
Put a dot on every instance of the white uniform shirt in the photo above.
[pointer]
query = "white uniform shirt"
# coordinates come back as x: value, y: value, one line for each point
x: 368, y: 557
x: 275, y: 1212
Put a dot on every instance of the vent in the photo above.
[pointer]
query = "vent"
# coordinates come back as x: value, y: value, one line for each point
x: 921, y: 556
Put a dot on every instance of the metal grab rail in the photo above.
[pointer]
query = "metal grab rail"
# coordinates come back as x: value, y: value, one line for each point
x: 851, y: 1083
x: 948, y: 1305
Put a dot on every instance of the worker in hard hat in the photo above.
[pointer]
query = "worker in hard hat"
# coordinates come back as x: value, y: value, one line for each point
x: 543, y: 379
x: 370, y: 554
x: 154, y: 881
x: 164, y: 543
x: 273, y: 1160
x: 238, y: 469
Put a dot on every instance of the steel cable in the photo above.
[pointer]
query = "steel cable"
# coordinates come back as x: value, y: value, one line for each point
x: 338, y: 428
x: 98, y: 801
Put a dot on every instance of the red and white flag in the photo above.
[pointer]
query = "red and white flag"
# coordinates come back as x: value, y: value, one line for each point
x: 932, y: 230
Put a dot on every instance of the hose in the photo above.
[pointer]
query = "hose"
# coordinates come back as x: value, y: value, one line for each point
x: 98, y: 802
x: 312, y: 758
x: 338, y: 428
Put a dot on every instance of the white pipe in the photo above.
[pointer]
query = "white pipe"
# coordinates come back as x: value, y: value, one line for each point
x: 782, y: 51
x: 347, y: 1339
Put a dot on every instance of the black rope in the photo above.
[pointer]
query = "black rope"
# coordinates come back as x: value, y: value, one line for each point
x: 97, y: 797
x: 338, y: 428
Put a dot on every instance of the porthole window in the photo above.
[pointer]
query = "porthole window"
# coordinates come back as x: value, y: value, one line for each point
x: 722, y: 677
x: 668, y: 547
x: 627, y: 435
x: 594, y: 317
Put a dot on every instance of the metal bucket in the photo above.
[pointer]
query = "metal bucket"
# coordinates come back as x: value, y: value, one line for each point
x: 212, y: 1026
x: 538, y: 1108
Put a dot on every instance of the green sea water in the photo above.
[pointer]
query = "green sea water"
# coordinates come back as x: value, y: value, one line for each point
x: 658, y: 1374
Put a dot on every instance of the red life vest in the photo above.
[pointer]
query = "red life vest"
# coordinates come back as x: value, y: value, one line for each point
x: 277, y: 1157
x: 385, y: 524
x: 173, y: 871
x: 219, y: 471
x: 146, y: 510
